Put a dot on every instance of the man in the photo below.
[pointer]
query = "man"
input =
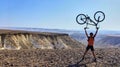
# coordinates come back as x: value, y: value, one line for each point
x: 90, y: 42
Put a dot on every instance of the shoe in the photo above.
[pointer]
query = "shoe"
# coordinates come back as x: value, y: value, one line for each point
x: 95, y: 60
x: 80, y: 60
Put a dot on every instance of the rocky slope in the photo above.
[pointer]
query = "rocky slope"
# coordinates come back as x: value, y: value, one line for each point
x: 16, y: 39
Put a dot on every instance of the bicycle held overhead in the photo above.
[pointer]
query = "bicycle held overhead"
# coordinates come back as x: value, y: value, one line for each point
x: 81, y: 19
x: 99, y: 16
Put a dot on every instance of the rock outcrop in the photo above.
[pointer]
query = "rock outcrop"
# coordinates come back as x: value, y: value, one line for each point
x: 16, y: 39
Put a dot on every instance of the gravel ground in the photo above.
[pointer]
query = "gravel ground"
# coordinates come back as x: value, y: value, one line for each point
x: 109, y: 57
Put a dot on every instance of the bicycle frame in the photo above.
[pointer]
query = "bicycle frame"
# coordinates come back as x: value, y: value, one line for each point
x: 91, y: 21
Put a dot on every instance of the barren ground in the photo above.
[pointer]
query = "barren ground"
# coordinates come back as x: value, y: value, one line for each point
x: 59, y: 58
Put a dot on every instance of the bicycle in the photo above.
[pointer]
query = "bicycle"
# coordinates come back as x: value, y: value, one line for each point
x: 82, y: 19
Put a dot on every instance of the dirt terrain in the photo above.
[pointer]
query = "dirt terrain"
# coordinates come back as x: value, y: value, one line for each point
x: 58, y: 58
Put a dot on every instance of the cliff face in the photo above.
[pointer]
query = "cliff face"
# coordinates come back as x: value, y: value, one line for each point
x: 29, y: 40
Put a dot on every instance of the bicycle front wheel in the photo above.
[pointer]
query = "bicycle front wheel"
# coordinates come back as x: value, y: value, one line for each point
x: 99, y: 16
x: 81, y: 19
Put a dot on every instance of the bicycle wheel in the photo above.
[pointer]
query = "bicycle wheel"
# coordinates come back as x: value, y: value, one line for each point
x: 81, y: 19
x: 99, y: 16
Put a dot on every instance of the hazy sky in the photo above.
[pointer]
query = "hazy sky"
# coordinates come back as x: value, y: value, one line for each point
x: 57, y: 14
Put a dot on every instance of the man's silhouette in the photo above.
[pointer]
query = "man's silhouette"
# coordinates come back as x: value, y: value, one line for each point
x: 90, y: 42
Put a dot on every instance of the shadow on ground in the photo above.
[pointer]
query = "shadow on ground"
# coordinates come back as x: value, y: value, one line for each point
x: 79, y: 64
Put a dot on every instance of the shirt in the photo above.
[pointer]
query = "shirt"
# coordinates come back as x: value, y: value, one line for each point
x: 90, y: 41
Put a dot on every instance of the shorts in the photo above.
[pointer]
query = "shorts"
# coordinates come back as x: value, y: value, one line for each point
x: 90, y: 47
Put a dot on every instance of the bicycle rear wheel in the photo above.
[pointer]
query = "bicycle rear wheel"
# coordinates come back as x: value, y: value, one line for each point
x: 81, y: 19
x: 99, y: 16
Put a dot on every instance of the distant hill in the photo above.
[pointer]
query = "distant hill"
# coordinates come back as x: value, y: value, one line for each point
x: 41, y: 30
x: 103, y: 39
x: 100, y: 40
x: 109, y: 41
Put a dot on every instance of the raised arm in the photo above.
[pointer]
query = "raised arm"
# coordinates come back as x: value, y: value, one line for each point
x: 96, y: 31
x: 86, y: 32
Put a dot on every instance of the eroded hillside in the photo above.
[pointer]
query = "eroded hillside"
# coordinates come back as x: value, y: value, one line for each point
x: 12, y: 39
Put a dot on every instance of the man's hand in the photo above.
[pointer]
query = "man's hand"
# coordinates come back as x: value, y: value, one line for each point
x: 97, y: 28
x: 85, y: 28
x: 86, y: 31
x: 96, y: 31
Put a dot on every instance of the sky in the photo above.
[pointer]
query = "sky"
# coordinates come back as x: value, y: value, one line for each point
x: 57, y: 14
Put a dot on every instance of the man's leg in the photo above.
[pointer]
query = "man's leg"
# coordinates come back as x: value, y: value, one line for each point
x: 83, y: 56
x: 94, y: 54
x: 85, y: 53
x: 92, y: 49
x: 87, y: 48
